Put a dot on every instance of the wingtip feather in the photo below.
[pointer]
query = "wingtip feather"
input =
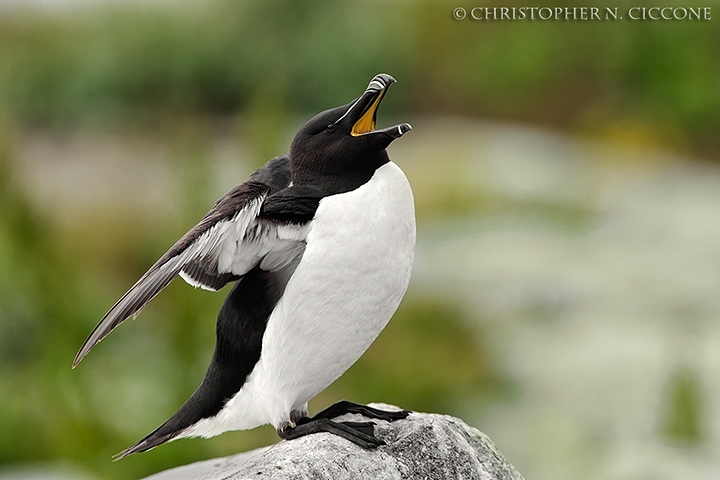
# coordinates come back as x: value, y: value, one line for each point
x: 84, y: 350
x: 92, y: 340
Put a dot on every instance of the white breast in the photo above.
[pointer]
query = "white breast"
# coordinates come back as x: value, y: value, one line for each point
x: 352, y: 276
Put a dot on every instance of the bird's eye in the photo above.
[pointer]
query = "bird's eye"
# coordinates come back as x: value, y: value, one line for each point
x: 331, y: 127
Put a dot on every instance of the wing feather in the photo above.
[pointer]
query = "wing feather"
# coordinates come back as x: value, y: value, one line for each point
x: 231, y: 239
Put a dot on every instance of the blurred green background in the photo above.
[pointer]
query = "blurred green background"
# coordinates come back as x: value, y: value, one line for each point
x: 565, y: 294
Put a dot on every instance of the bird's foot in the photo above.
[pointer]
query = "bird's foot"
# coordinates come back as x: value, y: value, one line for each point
x: 344, y: 406
x: 360, y: 433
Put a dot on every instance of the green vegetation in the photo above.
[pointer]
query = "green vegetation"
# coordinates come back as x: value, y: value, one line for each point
x: 654, y: 81
x: 683, y: 409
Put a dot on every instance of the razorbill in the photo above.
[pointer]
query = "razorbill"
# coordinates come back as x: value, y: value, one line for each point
x: 319, y: 244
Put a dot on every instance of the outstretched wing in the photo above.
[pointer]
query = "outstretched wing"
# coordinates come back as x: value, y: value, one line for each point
x: 229, y: 241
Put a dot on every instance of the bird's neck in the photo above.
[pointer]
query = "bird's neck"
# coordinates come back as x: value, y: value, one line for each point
x: 338, y: 177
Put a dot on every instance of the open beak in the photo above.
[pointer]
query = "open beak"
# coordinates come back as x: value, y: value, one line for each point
x: 368, y: 104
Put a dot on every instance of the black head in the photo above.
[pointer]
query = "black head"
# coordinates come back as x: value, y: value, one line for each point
x: 339, y: 149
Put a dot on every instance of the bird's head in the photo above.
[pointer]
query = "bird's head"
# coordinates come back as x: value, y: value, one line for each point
x: 342, y: 143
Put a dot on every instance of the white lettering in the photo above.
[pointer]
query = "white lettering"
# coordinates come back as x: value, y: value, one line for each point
x: 611, y: 12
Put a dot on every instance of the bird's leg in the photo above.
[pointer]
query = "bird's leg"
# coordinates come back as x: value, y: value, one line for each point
x: 299, y: 416
x: 361, y: 434
x: 344, y: 406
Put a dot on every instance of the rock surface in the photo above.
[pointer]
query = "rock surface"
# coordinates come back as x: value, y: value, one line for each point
x: 423, y: 446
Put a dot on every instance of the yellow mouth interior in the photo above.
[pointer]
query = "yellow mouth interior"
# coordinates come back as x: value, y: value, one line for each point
x: 366, y: 123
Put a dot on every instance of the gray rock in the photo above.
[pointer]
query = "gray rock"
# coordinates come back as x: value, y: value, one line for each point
x: 423, y: 446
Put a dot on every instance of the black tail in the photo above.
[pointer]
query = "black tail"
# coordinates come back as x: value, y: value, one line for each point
x: 200, y: 405
x: 216, y: 389
x: 151, y: 441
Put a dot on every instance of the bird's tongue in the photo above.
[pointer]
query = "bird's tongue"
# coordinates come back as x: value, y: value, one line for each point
x: 366, y: 123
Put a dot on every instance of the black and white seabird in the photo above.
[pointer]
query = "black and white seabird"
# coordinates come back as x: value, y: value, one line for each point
x: 320, y: 245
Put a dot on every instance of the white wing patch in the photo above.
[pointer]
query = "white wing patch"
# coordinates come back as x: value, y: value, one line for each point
x: 238, y: 245
x: 191, y: 281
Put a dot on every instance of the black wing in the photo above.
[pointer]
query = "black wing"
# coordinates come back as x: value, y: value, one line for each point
x: 230, y: 240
